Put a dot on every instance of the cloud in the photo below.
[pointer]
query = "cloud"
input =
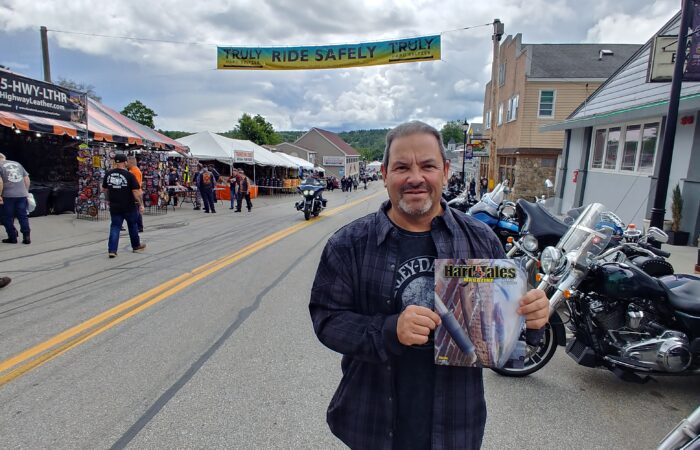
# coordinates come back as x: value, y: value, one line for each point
x: 177, y: 78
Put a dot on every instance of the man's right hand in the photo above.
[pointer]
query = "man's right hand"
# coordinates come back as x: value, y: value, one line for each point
x: 415, y: 324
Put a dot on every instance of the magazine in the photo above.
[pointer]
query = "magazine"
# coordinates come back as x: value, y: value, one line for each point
x: 477, y: 301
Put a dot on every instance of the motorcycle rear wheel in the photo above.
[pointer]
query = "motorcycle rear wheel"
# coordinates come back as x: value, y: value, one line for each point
x: 537, y: 356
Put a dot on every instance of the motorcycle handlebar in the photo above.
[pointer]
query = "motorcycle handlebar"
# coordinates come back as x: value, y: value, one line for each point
x: 654, y: 250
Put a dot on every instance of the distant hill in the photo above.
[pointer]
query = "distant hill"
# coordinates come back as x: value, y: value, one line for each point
x: 370, y: 143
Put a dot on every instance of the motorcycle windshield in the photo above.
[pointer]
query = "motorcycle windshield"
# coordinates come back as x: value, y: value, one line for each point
x: 490, y: 202
x: 587, y: 237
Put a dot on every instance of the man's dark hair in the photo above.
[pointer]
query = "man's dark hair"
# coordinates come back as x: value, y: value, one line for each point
x: 408, y: 128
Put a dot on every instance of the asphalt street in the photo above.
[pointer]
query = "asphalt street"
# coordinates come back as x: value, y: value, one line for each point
x: 224, y: 356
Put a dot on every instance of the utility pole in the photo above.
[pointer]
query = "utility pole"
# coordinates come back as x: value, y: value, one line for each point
x: 498, y: 30
x: 659, y: 209
x: 45, y: 53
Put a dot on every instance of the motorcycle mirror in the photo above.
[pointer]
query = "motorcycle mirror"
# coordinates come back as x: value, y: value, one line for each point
x: 657, y: 234
x: 508, y: 211
x: 548, y: 184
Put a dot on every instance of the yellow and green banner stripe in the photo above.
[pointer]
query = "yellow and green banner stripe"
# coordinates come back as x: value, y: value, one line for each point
x: 424, y: 48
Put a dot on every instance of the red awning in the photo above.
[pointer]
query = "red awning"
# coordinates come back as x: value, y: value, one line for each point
x: 104, y: 124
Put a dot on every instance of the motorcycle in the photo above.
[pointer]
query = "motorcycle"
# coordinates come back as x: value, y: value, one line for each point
x: 622, y: 318
x: 463, y: 201
x: 497, y: 214
x: 313, y: 203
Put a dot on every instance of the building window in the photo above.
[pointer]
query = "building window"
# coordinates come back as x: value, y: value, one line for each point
x: 506, y: 169
x: 611, y: 148
x: 628, y: 149
x: 512, y: 109
x: 598, y: 149
x: 546, y: 108
x: 501, y: 74
x: 548, y: 162
x: 487, y: 123
x: 500, y: 114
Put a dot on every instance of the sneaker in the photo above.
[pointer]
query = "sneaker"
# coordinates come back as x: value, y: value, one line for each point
x: 112, y: 254
x: 207, y: 212
x: 139, y: 248
x: 4, y: 281
x: 9, y: 241
x: 197, y: 208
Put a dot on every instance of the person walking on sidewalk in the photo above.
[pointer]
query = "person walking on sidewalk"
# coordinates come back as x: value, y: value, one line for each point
x: 136, y: 172
x: 123, y: 190
x: 14, y: 190
x: 205, y: 185
x: 198, y: 193
x: 244, y: 192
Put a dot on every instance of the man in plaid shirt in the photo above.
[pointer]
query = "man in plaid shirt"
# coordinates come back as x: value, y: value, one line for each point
x: 372, y: 301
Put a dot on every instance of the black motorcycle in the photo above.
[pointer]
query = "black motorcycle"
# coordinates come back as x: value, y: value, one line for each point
x: 313, y: 202
x: 621, y: 317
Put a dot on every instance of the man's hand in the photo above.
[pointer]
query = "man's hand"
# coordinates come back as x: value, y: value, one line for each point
x: 415, y: 324
x: 534, y: 305
x: 141, y: 209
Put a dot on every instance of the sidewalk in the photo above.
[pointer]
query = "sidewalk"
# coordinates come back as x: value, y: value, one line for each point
x: 683, y: 258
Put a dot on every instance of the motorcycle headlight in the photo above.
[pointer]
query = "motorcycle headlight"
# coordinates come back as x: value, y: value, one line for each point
x: 307, y: 192
x: 529, y: 243
x: 552, y: 260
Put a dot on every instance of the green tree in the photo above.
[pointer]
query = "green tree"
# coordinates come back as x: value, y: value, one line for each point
x: 80, y: 87
x: 452, y: 130
x: 140, y: 113
x: 255, y: 129
x: 173, y: 134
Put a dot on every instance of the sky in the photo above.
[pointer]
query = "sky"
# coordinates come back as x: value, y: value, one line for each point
x: 179, y: 81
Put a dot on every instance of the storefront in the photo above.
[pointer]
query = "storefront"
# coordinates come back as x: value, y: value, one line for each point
x: 66, y: 140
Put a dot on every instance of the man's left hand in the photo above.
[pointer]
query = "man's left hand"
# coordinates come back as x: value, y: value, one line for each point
x: 534, y: 305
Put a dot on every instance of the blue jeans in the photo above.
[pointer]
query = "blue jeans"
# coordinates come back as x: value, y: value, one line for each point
x: 15, y: 207
x: 233, y: 198
x: 116, y: 226
x: 209, y: 201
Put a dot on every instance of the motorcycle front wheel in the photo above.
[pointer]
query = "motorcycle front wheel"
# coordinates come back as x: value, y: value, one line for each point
x: 537, y: 356
x: 307, y: 214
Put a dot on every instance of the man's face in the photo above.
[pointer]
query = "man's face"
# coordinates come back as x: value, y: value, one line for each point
x: 415, y: 175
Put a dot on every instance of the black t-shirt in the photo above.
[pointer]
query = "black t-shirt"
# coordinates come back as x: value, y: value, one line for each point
x: 415, y: 374
x: 120, y: 183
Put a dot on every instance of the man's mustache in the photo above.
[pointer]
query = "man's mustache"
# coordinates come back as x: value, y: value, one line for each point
x: 410, y: 187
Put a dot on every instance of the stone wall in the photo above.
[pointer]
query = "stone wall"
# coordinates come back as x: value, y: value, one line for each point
x: 529, y: 178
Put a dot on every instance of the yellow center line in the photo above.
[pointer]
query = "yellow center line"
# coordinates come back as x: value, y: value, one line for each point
x: 39, y: 354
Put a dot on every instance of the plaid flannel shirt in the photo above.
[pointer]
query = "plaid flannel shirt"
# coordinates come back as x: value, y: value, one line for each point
x: 353, y: 313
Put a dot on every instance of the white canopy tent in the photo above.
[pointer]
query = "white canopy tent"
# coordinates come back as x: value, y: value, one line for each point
x: 299, y: 162
x: 374, y: 165
x: 211, y: 146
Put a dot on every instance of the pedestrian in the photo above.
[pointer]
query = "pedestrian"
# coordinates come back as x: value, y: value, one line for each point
x: 136, y: 172
x: 173, y: 181
x: 206, y: 187
x: 372, y: 301
x: 244, y: 193
x: 123, y: 190
x: 195, y: 184
x: 14, y: 190
x: 214, y: 172
x: 472, y: 187
x: 354, y: 183
x: 4, y: 281
x: 484, y: 187
x: 233, y: 187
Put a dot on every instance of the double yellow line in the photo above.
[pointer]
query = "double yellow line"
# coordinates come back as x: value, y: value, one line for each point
x: 16, y: 366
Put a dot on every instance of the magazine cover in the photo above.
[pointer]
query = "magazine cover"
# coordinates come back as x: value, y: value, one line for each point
x: 477, y: 300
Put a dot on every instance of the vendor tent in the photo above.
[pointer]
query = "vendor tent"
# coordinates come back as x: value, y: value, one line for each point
x: 211, y: 146
x: 104, y: 124
x: 299, y: 162
x: 374, y: 165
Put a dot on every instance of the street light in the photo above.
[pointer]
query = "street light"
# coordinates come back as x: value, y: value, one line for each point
x: 465, y: 128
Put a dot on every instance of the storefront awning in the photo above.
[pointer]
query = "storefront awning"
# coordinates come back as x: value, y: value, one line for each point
x: 104, y: 124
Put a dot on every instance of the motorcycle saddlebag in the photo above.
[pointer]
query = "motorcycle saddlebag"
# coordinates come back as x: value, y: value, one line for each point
x: 655, y: 267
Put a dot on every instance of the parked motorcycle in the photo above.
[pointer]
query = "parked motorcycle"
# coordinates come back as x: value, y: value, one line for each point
x: 622, y: 318
x: 313, y: 203
x: 499, y: 215
x: 463, y: 201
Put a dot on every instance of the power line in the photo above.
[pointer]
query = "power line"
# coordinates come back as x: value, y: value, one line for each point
x: 166, y: 41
